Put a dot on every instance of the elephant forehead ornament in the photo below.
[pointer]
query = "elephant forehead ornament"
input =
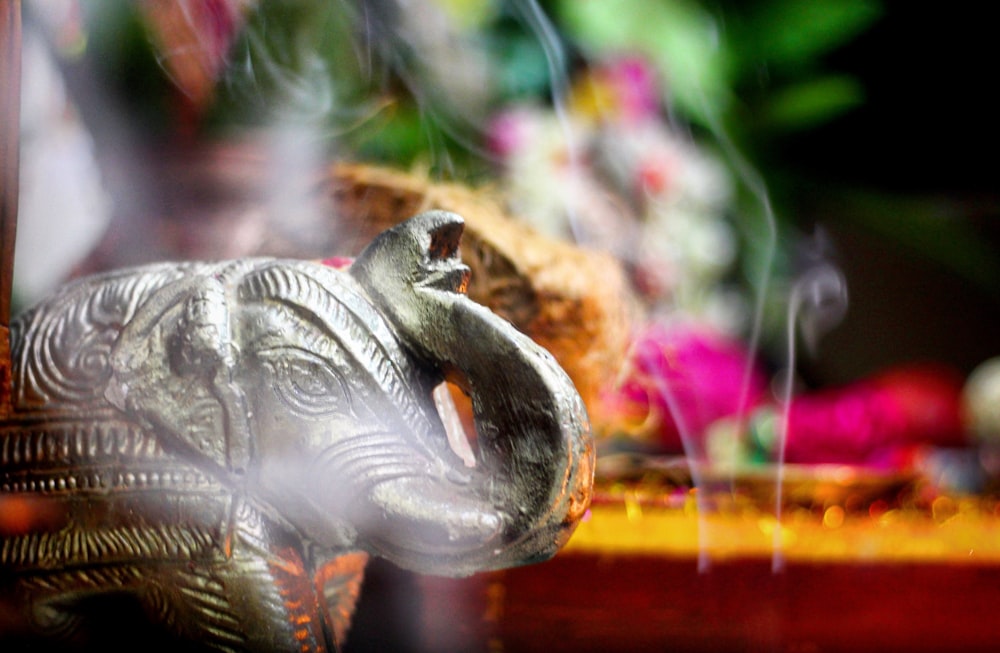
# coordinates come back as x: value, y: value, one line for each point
x: 219, y: 447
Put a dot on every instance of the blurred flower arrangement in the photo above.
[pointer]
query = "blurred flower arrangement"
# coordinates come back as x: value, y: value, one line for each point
x: 612, y: 174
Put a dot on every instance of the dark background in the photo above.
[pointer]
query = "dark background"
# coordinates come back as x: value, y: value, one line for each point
x: 906, y: 187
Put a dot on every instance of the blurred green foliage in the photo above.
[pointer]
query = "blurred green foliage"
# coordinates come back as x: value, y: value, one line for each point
x: 679, y: 37
x: 349, y: 67
x: 767, y: 55
x: 747, y: 76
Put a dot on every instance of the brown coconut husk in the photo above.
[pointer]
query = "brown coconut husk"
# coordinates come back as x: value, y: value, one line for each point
x: 575, y: 302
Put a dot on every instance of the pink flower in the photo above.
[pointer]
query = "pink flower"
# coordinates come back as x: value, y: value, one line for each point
x: 682, y: 378
x: 871, y: 421
x: 635, y: 86
x: 511, y: 131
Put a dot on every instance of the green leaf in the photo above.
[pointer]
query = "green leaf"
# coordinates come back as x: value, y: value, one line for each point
x: 398, y: 136
x: 809, y: 103
x: 789, y: 33
x: 523, y: 70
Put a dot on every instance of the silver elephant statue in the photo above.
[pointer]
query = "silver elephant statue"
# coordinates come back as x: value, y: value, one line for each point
x: 217, y: 448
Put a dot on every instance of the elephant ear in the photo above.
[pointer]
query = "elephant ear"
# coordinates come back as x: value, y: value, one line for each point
x: 171, y: 371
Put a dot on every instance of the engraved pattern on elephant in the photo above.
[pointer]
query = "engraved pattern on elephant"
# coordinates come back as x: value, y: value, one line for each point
x: 195, y: 584
x: 61, y: 349
x: 216, y: 604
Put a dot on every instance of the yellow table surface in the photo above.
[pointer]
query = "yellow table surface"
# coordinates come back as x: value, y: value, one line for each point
x: 949, y: 529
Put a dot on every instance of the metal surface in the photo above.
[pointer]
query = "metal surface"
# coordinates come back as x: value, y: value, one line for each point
x: 220, y: 446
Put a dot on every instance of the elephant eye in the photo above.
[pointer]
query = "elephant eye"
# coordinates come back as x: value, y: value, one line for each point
x: 307, y: 384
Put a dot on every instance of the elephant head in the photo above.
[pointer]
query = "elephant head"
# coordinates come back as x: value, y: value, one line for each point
x: 308, y: 390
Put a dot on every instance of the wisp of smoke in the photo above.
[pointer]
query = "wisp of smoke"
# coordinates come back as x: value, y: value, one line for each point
x: 536, y: 20
x: 816, y: 303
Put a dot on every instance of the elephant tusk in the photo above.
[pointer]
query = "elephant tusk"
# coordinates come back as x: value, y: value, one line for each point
x: 458, y: 439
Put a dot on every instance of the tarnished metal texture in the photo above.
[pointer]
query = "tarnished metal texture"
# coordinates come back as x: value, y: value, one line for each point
x: 213, y: 450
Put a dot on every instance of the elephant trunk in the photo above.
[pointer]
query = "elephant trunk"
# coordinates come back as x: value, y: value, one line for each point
x: 533, y: 434
x: 532, y: 428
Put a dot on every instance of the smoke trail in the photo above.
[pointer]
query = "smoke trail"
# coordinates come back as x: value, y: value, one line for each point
x: 695, y: 457
x: 755, y: 184
x: 536, y: 20
x: 817, y: 301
